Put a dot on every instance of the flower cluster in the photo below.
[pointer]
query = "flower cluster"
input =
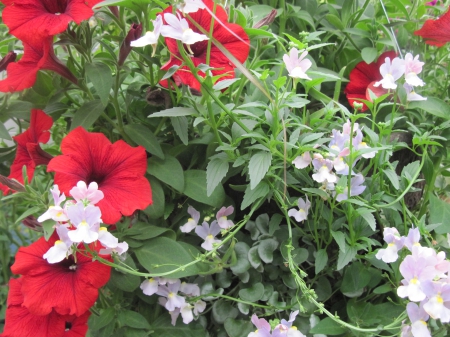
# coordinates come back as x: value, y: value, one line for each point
x: 206, y: 231
x: 425, y: 280
x: 175, y: 303
x: 285, y: 328
x: 336, y: 162
x: 175, y: 27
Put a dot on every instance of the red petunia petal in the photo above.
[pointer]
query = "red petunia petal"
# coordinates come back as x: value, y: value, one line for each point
x: 436, y: 32
x: 68, y: 287
x: 117, y: 168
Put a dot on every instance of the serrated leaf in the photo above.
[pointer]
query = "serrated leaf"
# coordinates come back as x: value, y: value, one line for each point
x: 251, y: 195
x: 410, y: 170
x: 215, y: 171
x: 266, y: 248
x: 168, y: 170
x: 339, y: 237
x: 99, y: 74
x: 195, y: 188
x: 87, y: 114
x: 393, y: 178
x: 145, y: 137
x: 258, y: 166
x: 180, y: 125
x: 368, y: 217
x: 174, y: 112
x: 321, y: 260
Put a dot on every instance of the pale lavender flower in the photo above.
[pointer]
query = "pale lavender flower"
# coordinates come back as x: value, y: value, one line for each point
x: 439, y: 300
x: 413, y: 67
x: 356, y: 188
x: 285, y: 328
x: 415, y: 271
x: 411, y: 95
x: 418, y: 318
x: 87, y: 222
x: 358, y: 144
x: 173, y: 314
x: 191, y: 6
x: 55, y: 212
x: 302, y: 161
x: 347, y: 127
x: 262, y: 327
x: 222, y: 219
x: 171, y: 293
x: 121, y: 248
x: 192, y: 221
x: 86, y: 195
x: 150, y: 286
x: 413, y: 238
x: 208, y: 233
x: 302, y: 213
x: 178, y: 29
x: 395, y: 243
x: 106, y: 238
x: 190, y: 289
x: 323, y: 167
x: 61, y: 248
x: 297, y: 66
x: 150, y: 37
x: 391, y: 72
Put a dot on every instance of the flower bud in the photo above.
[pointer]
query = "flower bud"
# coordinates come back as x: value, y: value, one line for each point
x: 133, y: 34
x: 10, y: 57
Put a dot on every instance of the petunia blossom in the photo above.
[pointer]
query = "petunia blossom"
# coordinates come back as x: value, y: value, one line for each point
x: 27, y: 143
x: 362, y: 79
x: 117, y: 168
x: 436, y: 32
x: 297, y: 65
x: 230, y: 35
x: 178, y: 28
x: 69, y: 287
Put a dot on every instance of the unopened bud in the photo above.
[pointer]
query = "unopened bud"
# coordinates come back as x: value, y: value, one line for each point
x: 10, y: 57
x: 267, y: 20
x: 133, y: 34
x: 358, y: 106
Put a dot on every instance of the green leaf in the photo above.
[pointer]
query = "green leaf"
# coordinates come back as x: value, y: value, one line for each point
x: 143, y: 231
x: 266, y: 248
x: 225, y: 83
x: 195, y: 188
x: 222, y: 310
x: 145, y: 137
x: 163, y: 327
x: 393, y: 178
x: 368, y: 217
x: 327, y: 327
x: 174, y: 112
x: 99, y: 74
x: 252, y: 294
x: 161, y: 255
x: 434, y: 106
x: 217, y: 169
x: 238, y: 327
x: 49, y: 227
x: 87, y: 114
x: 180, y: 125
x: 168, y: 170
x: 125, y: 3
x: 439, y: 213
x: 339, y: 237
x: 132, y: 319
x: 156, y: 209
x: 4, y: 134
x: 105, y: 318
x: 369, y: 54
x: 251, y: 195
x: 253, y: 257
x: 345, y: 258
x: 125, y: 281
x: 321, y: 260
x: 335, y: 21
x: 28, y: 212
x: 356, y: 277
x: 258, y: 166
x: 242, y: 264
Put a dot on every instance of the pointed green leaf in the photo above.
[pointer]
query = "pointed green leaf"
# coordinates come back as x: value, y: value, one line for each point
x: 180, y: 125
x: 251, y: 195
x: 174, y: 112
x: 141, y: 135
x: 87, y: 114
x: 195, y: 188
x: 321, y: 260
x: 99, y: 74
x: 258, y: 166
x: 167, y: 170
x: 217, y: 169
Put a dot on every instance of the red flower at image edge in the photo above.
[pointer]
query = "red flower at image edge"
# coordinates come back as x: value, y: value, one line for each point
x: 19, y: 322
x: 29, y: 20
x: 237, y: 44
x: 363, y: 77
x: 29, y: 153
x: 67, y: 287
x: 117, y: 168
x: 436, y: 32
x: 38, y: 55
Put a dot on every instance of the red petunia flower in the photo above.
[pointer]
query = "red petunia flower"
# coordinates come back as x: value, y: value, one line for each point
x: 69, y: 287
x: 29, y: 152
x: 363, y: 77
x: 38, y: 55
x: 436, y: 32
x: 117, y: 168
x: 237, y: 44
x: 20, y: 322
x: 30, y: 20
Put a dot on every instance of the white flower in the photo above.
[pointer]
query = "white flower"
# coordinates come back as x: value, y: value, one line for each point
x: 86, y: 195
x: 178, y: 28
x: 192, y: 222
x: 411, y: 95
x: 302, y: 212
x: 55, y: 212
x: 191, y: 6
x: 302, y: 161
x: 391, y: 72
x: 297, y: 66
x: 208, y: 233
x: 150, y: 37
x: 413, y: 67
x: 149, y: 286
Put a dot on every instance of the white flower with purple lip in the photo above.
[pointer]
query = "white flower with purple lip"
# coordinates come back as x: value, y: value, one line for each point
x: 208, y: 233
x: 120, y: 249
x: 86, y: 194
x: 150, y: 286
x: 413, y: 67
x: 411, y: 95
x: 302, y: 213
x: 170, y: 291
x: 285, y: 328
x: 391, y: 72
x: 190, y: 289
x: 439, y: 300
x: 302, y: 161
x: 356, y: 188
x: 150, y: 37
x: 395, y: 243
x: 358, y: 144
x: 418, y: 318
x: 87, y: 222
x: 413, y: 238
x: 178, y: 29
x: 297, y: 66
x: 192, y: 221
x: 55, y: 212
x: 222, y: 215
x: 61, y: 248
x: 323, y: 168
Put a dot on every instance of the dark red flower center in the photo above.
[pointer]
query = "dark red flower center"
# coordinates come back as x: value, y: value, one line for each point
x: 55, y: 7
x: 68, y: 326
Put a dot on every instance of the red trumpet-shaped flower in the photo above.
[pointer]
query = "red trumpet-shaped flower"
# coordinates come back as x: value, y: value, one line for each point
x: 69, y: 287
x: 363, y: 77
x: 436, y: 32
x: 230, y: 35
x: 38, y: 55
x: 20, y: 322
x: 31, y: 20
x: 117, y: 168
x: 29, y: 152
